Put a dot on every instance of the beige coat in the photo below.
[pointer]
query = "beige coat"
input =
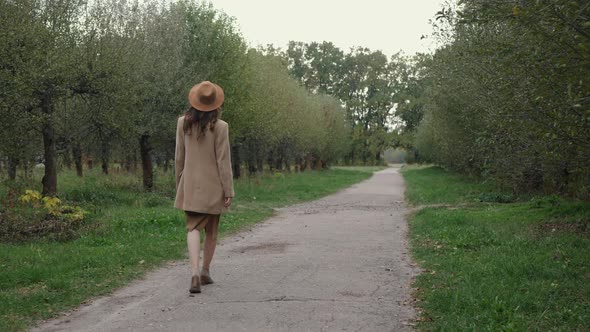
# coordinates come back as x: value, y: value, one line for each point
x: 203, y: 169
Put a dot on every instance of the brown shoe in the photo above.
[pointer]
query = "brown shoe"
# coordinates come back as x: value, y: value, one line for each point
x: 206, y: 278
x: 195, y: 285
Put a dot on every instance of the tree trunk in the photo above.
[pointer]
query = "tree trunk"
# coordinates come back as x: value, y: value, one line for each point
x: 166, y: 165
x: 158, y: 161
x: 235, y: 157
x: 77, y: 154
x: 270, y: 161
x: 309, y: 162
x: 169, y: 155
x: 279, y: 163
x: 251, y: 161
x: 12, y: 163
x: 128, y: 163
x: 298, y: 164
x: 146, y: 162
x: 318, y: 164
x: 27, y: 168
x: 67, y: 159
x: 90, y: 162
x: 260, y: 164
x: 251, y: 167
x: 104, y: 157
x: 134, y: 163
x: 49, y: 180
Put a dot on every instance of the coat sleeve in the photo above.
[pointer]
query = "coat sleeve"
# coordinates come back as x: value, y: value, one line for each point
x: 179, y: 153
x: 223, y: 155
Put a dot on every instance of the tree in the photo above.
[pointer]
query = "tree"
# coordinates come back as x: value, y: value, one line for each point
x: 96, y: 79
x: 42, y: 41
x: 507, y: 98
x: 366, y: 83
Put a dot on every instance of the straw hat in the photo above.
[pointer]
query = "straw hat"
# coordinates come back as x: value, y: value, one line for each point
x: 206, y: 96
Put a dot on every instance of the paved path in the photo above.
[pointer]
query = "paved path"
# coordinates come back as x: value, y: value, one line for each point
x: 340, y: 263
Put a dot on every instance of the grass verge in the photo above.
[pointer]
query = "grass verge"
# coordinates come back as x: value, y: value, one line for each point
x: 130, y: 232
x: 497, y: 267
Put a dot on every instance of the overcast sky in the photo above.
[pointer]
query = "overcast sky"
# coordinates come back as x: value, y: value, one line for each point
x: 387, y: 25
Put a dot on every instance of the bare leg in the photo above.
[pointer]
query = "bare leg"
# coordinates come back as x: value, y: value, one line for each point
x: 210, y: 244
x: 193, y: 241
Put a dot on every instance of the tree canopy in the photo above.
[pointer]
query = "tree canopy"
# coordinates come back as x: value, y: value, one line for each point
x: 507, y: 97
x: 104, y: 82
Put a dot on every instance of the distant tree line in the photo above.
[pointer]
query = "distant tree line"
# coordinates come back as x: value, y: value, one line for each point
x: 508, y: 95
x: 101, y: 82
x: 368, y: 84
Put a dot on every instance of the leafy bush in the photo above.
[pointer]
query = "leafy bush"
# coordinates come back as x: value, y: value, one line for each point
x: 37, y: 216
x: 507, y: 96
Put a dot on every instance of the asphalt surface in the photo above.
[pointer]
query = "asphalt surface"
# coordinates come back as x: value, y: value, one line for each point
x: 340, y: 263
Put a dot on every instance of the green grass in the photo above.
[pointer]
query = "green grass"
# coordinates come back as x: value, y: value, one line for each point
x: 433, y: 185
x: 129, y: 232
x: 497, y: 267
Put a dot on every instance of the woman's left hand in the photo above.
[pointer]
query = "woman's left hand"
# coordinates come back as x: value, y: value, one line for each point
x: 227, y: 201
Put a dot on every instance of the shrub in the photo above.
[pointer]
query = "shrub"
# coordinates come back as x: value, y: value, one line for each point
x: 36, y: 216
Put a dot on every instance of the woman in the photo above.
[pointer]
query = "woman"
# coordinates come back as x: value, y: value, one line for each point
x: 204, y: 181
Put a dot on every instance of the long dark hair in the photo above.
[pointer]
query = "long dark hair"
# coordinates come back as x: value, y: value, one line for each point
x: 205, y: 120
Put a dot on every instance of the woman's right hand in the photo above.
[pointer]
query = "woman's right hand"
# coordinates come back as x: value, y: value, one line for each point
x: 227, y: 201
